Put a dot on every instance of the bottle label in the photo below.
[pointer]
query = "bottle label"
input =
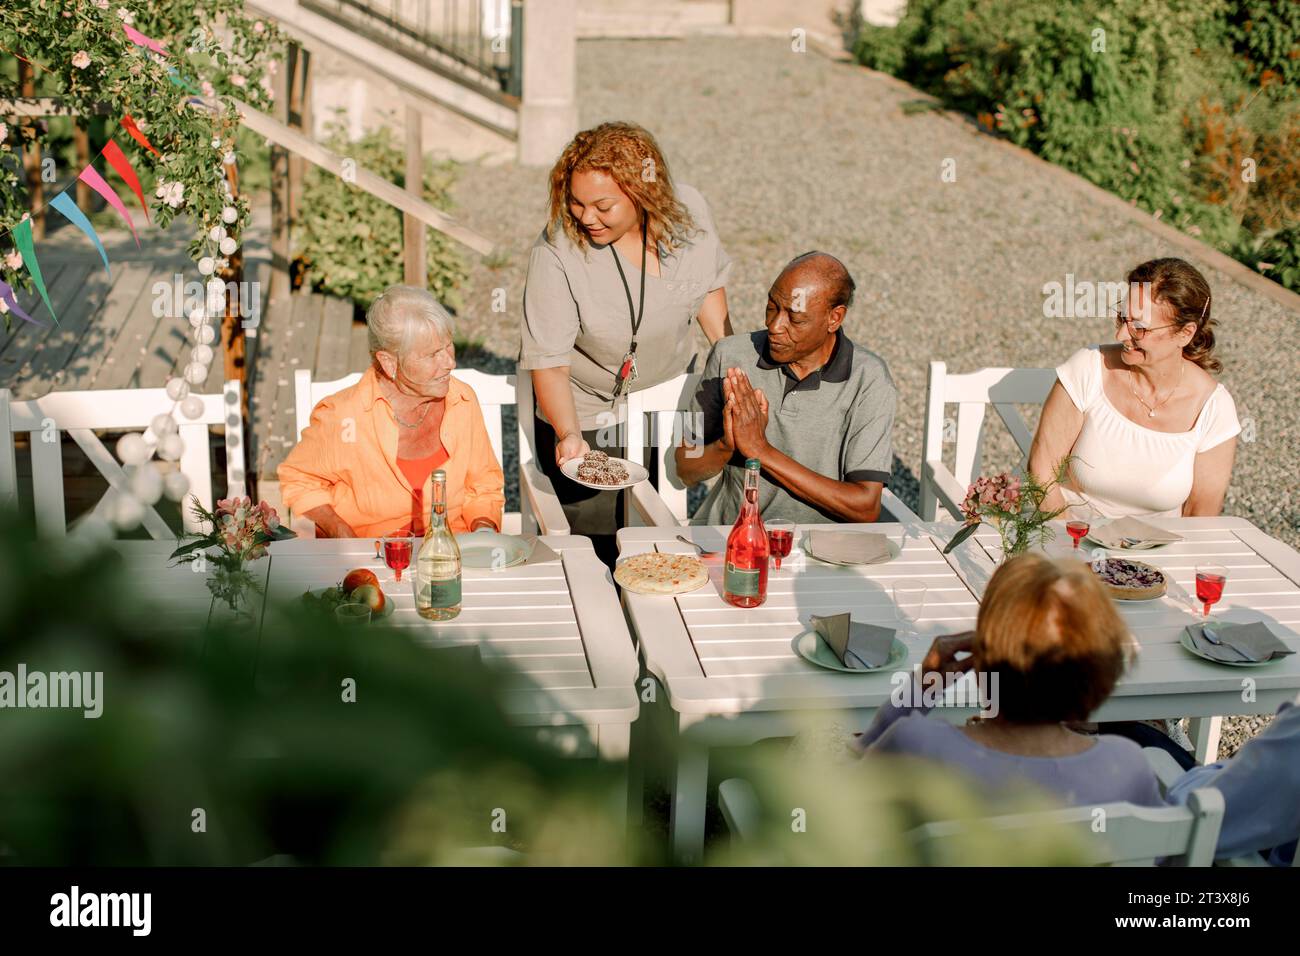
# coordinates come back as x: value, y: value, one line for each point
x: 442, y: 592
x: 742, y: 582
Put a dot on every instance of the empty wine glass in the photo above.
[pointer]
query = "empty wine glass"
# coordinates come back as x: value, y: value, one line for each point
x: 353, y: 614
x: 909, y: 603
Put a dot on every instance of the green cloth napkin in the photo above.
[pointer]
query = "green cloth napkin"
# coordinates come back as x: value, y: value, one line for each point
x: 849, y: 547
x: 1256, y: 640
x: 1112, y: 535
x: 854, y: 642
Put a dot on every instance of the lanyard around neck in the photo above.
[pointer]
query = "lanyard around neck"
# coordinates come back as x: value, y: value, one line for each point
x: 634, y: 316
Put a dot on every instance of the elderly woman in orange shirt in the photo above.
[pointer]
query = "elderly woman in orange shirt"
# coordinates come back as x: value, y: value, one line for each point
x: 365, y: 464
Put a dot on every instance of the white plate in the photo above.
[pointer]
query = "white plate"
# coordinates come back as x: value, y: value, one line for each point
x: 635, y: 474
x: 810, y: 646
x: 492, y: 551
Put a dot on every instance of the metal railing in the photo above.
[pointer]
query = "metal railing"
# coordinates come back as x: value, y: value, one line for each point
x: 478, y: 42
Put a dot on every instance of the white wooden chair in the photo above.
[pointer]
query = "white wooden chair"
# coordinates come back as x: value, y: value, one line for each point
x: 973, y: 393
x: 1134, y: 836
x: 81, y: 413
x: 540, y: 510
x: 659, y: 413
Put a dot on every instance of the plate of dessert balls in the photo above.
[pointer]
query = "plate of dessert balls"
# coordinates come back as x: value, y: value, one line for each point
x: 598, y: 470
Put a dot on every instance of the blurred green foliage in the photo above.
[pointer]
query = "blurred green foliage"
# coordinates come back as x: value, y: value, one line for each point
x: 1186, y: 108
x: 351, y: 241
x: 257, y: 733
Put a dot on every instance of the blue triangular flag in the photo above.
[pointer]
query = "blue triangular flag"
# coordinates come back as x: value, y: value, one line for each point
x: 64, y: 204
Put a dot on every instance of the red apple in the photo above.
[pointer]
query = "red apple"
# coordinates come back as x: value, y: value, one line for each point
x: 357, y: 577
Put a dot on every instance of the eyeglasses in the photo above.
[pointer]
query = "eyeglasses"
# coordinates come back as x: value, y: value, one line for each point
x: 1138, y: 331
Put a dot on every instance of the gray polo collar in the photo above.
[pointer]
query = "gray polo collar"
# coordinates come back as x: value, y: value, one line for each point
x: 835, y: 371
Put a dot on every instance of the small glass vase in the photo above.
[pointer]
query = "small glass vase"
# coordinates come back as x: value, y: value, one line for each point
x: 234, y: 590
x: 1016, y: 539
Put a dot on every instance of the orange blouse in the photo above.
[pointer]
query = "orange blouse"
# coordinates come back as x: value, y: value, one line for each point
x: 347, y: 458
x: 416, y: 470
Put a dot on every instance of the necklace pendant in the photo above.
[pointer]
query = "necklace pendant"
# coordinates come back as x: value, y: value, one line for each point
x: 1151, y: 414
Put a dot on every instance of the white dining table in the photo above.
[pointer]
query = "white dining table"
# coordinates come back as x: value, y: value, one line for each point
x: 179, y: 598
x: 1167, y: 681
x: 731, y: 676
x: 555, y: 627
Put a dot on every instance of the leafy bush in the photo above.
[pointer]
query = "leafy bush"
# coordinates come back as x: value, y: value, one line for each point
x: 1148, y: 99
x: 351, y: 242
x: 1268, y: 34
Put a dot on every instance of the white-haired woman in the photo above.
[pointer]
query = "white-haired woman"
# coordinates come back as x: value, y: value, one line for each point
x: 364, y: 465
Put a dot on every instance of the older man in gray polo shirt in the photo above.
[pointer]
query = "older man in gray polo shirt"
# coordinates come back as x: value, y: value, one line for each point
x: 815, y: 409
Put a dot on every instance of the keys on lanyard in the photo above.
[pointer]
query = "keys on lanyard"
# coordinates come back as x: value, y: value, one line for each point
x: 627, y: 373
x: 627, y: 368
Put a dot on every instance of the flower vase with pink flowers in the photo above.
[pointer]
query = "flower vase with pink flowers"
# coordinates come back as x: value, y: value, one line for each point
x: 1013, y: 504
x: 239, y: 531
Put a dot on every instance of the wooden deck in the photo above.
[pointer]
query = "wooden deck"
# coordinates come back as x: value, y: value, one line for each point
x: 108, y: 337
x: 305, y: 330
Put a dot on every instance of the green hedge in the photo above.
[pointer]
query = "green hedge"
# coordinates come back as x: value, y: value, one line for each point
x: 350, y: 242
x: 1157, y: 101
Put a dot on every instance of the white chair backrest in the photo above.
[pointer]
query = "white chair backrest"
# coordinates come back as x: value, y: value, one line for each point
x: 973, y: 393
x: 656, y: 413
x: 1133, y: 835
x: 80, y: 413
x: 493, y: 391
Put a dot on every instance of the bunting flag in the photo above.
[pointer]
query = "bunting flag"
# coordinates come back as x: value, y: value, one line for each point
x: 90, y: 176
x: 128, y: 124
x: 185, y: 85
x: 23, y: 238
x: 117, y: 159
x: 9, y: 299
x: 64, y: 204
x: 139, y: 39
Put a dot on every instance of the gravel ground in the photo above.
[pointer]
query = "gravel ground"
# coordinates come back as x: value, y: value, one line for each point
x: 796, y: 152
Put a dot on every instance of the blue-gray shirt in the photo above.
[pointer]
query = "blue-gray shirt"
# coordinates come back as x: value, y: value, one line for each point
x: 1261, y: 791
x: 1113, y: 769
x: 836, y: 421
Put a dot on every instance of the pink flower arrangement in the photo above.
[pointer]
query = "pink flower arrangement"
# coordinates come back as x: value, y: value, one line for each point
x: 241, y: 529
x: 1014, y: 505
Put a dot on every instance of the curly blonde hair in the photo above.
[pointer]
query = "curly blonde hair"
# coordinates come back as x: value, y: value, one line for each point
x: 631, y: 157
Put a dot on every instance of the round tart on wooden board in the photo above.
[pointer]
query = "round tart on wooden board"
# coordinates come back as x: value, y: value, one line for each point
x: 658, y: 573
x: 1126, y: 580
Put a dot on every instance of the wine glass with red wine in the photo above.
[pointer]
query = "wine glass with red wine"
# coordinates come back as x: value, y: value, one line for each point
x: 397, y: 555
x: 1210, y: 579
x: 780, y: 539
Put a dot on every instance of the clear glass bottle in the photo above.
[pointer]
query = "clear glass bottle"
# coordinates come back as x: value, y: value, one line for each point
x: 437, y: 566
x: 745, y: 572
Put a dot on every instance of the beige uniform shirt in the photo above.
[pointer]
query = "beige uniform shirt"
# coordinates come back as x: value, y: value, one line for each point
x: 576, y: 312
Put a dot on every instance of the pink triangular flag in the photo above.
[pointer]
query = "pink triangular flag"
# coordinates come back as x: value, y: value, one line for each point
x: 139, y: 39
x: 96, y: 182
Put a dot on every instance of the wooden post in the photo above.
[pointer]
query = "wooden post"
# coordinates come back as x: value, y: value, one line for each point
x: 280, y: 234
x: 81, y: 140
x: 415, y: 257
x: 32, y: 153
x: 300, y: 118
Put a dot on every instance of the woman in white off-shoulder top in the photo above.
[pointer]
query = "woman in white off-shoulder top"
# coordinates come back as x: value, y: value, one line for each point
x: 1152, y: 433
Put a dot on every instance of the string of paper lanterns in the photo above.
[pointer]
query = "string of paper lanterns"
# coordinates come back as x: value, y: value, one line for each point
x: 145, y: 486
